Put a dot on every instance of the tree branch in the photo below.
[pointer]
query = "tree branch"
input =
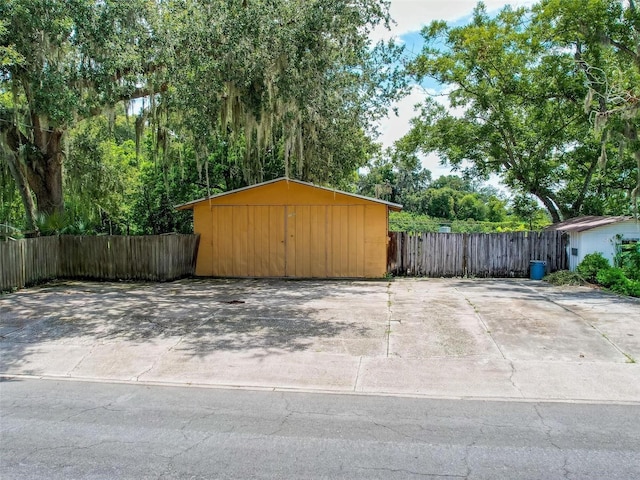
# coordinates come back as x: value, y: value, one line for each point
x: 140, y: 92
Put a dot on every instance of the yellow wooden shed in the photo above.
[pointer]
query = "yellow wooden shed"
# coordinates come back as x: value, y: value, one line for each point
x: 289, y: 228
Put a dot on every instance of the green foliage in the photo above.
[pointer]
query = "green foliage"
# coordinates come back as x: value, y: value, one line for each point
x: 229, y: 101
x: 526, y: 208
x: 410, y: 222
x: 162, y: 188
x: 295, y: 93
x: 515, y: 119
x: 395, y: 177
x: 615, y: 279
x: 399, y: 178
x: 496, y: 211
x: 11, y: 208
x: 591, y: 264
x: 607, y: 277
x: 8, y: 54
x: 470, y: 207
x: 604, y: 39
x: 596, y: 269
x: 564, y: 277
x: 441, y: 203
x: 628, y: 287
x: 302, y: 82
x: 64, y: 223
x: 102, y: 174
x: 413, y: 223
x: 628, y: 258
x: 74, y: 59
x: 523, y: 117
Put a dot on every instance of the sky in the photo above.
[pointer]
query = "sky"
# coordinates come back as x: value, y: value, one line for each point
x: 410, y: 16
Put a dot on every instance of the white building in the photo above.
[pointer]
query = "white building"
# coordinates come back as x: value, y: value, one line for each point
x: 597, y: 234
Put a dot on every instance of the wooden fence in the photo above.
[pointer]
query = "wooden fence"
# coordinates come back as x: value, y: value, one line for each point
x: 28, y: 261
x: 475, y: 254
x: 153, y: 257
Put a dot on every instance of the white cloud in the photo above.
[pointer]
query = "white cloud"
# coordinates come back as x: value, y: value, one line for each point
x: 394, y: 127
x: 432, y: 163
x: 412, y: 15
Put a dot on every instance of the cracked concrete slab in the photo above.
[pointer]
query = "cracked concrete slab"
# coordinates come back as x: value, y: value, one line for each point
x: 450, y: 377
x: 590, y: 381
x: 623, y: 334
x: 318, y: 371
x: 438, y: 337
x: 121, y: 361
x: 441, y: 337
x: 44, y: 359
x: 530, y: 326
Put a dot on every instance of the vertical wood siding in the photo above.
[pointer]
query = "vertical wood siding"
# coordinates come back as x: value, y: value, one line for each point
x: 475, y: 254
x: 154, y: 257
x: 288, y: 229
x: 299, y: 241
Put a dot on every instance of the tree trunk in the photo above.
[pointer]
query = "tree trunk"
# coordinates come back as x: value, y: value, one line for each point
x: 550, y: 205
x: 38, y: 160
x: 36, y: 166
x: 576, y: 207
x: 19, y: 176
x: 44, y: 171
x: 46, y: 182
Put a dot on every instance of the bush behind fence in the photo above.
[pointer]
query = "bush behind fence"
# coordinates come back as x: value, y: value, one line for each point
x: 151, y: 257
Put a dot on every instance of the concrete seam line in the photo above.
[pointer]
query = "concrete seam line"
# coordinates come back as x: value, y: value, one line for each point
x: 355, y: 384
x: 629, y: 358
x: 482, y: 322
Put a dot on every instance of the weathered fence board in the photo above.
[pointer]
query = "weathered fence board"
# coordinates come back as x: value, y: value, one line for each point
x: 474, y: 254
x: 27, y: 261
x: 153, y: 257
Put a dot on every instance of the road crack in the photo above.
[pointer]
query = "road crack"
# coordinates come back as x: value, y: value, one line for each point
x: 412, y: 472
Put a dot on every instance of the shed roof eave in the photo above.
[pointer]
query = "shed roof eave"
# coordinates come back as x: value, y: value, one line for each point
x: 189, y: 205
x: 582, y: 224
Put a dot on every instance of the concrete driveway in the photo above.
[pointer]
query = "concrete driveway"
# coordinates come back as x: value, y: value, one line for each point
x: 516, y: 339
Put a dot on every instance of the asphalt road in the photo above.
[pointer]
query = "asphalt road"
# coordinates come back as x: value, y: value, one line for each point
x: 66, y: 429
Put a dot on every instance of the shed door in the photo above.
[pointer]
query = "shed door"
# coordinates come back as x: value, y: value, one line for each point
x: 248, y: 241
x: 325, y: 241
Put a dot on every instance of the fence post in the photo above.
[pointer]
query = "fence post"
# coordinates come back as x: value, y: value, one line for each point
x: 465, y: 253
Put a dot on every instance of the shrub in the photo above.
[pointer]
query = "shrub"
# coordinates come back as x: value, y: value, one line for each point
x: 616, y: 280
x: 610, y: 276
x: 628, y: 258
x: 627, y: 287
x: 591, y: 265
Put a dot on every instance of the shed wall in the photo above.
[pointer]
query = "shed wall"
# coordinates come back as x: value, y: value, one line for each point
x: 291, y: 230
x: 601, y: 239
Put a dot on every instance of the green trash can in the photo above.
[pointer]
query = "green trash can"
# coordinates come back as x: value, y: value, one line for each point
x: 537, y: 269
